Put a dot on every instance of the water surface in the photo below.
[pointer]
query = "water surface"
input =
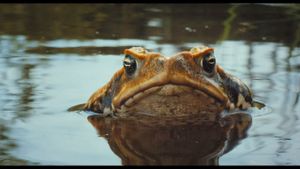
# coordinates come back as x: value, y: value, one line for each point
x: 54, y: 56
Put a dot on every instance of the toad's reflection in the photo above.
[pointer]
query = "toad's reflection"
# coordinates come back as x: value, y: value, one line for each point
x: 150, y: 141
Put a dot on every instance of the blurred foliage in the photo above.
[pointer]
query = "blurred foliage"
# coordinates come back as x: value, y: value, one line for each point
x: 113, y: 21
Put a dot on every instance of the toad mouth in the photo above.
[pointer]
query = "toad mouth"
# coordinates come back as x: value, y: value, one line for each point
x: 172, y: 90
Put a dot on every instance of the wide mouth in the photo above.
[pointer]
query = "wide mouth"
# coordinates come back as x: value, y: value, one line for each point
x: 174, y: 96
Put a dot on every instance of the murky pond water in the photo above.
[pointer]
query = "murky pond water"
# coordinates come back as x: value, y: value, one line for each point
x: 56, y: 56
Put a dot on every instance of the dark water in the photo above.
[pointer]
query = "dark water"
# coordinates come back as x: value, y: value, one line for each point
x: 55, y: 56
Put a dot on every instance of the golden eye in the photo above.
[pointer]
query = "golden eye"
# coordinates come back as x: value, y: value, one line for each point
x: 208, y: 62
x: 129, y: 64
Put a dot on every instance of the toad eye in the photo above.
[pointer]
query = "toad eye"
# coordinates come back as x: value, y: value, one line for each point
x: 209, y: 62
x: 129, y: 64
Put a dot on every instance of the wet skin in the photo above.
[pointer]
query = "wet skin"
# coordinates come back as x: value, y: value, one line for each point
x: 189, y: 82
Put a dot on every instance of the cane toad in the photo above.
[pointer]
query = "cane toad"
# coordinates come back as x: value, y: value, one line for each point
x: 188, y: 82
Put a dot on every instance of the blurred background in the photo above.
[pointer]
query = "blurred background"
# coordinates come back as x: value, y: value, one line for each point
x: 53, y: 56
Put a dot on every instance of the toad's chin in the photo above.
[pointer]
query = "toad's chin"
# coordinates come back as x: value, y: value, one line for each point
x: 170, y: 100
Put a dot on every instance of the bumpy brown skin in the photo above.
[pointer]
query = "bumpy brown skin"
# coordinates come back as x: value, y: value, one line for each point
x: 170, y: 86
